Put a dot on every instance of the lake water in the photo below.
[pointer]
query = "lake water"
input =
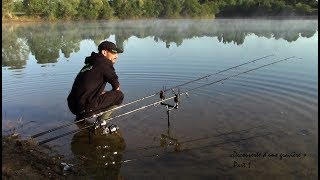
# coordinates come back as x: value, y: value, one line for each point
x: 271, y: 112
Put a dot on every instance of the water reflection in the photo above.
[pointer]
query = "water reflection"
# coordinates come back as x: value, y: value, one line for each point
x: 167, y: 140
x: 46, y: 41
x: 102, y: 155
x: 14, y: 51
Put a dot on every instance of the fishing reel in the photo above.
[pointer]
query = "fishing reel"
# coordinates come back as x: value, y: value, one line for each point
x: 106, y: 129
x: 103, y: 125
x: 111, y: 129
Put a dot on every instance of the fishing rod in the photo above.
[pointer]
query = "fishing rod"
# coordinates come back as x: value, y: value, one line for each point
x: 148, y: 96
x: 162, y: 99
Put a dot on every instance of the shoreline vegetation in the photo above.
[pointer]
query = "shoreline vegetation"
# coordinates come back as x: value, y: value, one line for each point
x: 26, y: 19
x: 78, y: 10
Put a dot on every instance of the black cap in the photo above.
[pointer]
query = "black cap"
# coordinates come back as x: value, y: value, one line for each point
x: 110, y: 46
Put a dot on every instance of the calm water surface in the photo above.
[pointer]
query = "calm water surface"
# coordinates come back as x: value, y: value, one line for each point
x: 271, y: 112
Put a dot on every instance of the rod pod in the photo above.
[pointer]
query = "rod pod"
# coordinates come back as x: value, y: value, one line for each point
x: 170, y: 107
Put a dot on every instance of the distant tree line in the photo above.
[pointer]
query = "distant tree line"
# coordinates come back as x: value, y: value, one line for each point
x: 139, y: 9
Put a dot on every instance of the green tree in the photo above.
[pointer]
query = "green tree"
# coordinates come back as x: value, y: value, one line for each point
x: 152, y: 8
x: 117, y: 6
x: 19, y: 7
x: 191, y: 8
x: 279, y: 5
x: 106, y: 11
x: 89, y: 9
x: 171, y: 8
x: 266, y: 4
x: 128, y: 9
x: 211, y: 8
x: 303, y: 8
x: 42, y: 8
x: 52, y: 9
x: 68, y: 8
x: 7, y: 8
x: 291, y: 2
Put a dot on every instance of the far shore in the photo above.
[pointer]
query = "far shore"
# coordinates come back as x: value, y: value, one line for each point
x: 24, y: 19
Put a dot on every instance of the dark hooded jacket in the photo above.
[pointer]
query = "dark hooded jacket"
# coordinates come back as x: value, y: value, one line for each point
x: 91, y: 82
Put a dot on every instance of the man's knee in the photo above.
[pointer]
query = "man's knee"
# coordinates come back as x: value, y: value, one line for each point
x: 120, y: 97
x: 110, y: 98
x: 72, y: 107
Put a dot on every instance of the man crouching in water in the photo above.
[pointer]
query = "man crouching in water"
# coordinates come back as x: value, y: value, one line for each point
x: 87, y: 96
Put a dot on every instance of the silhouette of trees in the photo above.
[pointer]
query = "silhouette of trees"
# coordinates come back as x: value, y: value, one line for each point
x: 133, y: 9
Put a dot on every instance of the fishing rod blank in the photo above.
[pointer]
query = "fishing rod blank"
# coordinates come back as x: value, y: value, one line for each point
x: 244, y: 72
x: 172, y: 97
x: 65, y: 134
x: 149, y: 96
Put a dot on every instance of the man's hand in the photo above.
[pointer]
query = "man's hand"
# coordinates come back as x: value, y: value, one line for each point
x: 116, y: 89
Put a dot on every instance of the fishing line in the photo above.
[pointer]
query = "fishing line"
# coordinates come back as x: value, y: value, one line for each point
x: 149, y: 96
x: 166, y: 99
